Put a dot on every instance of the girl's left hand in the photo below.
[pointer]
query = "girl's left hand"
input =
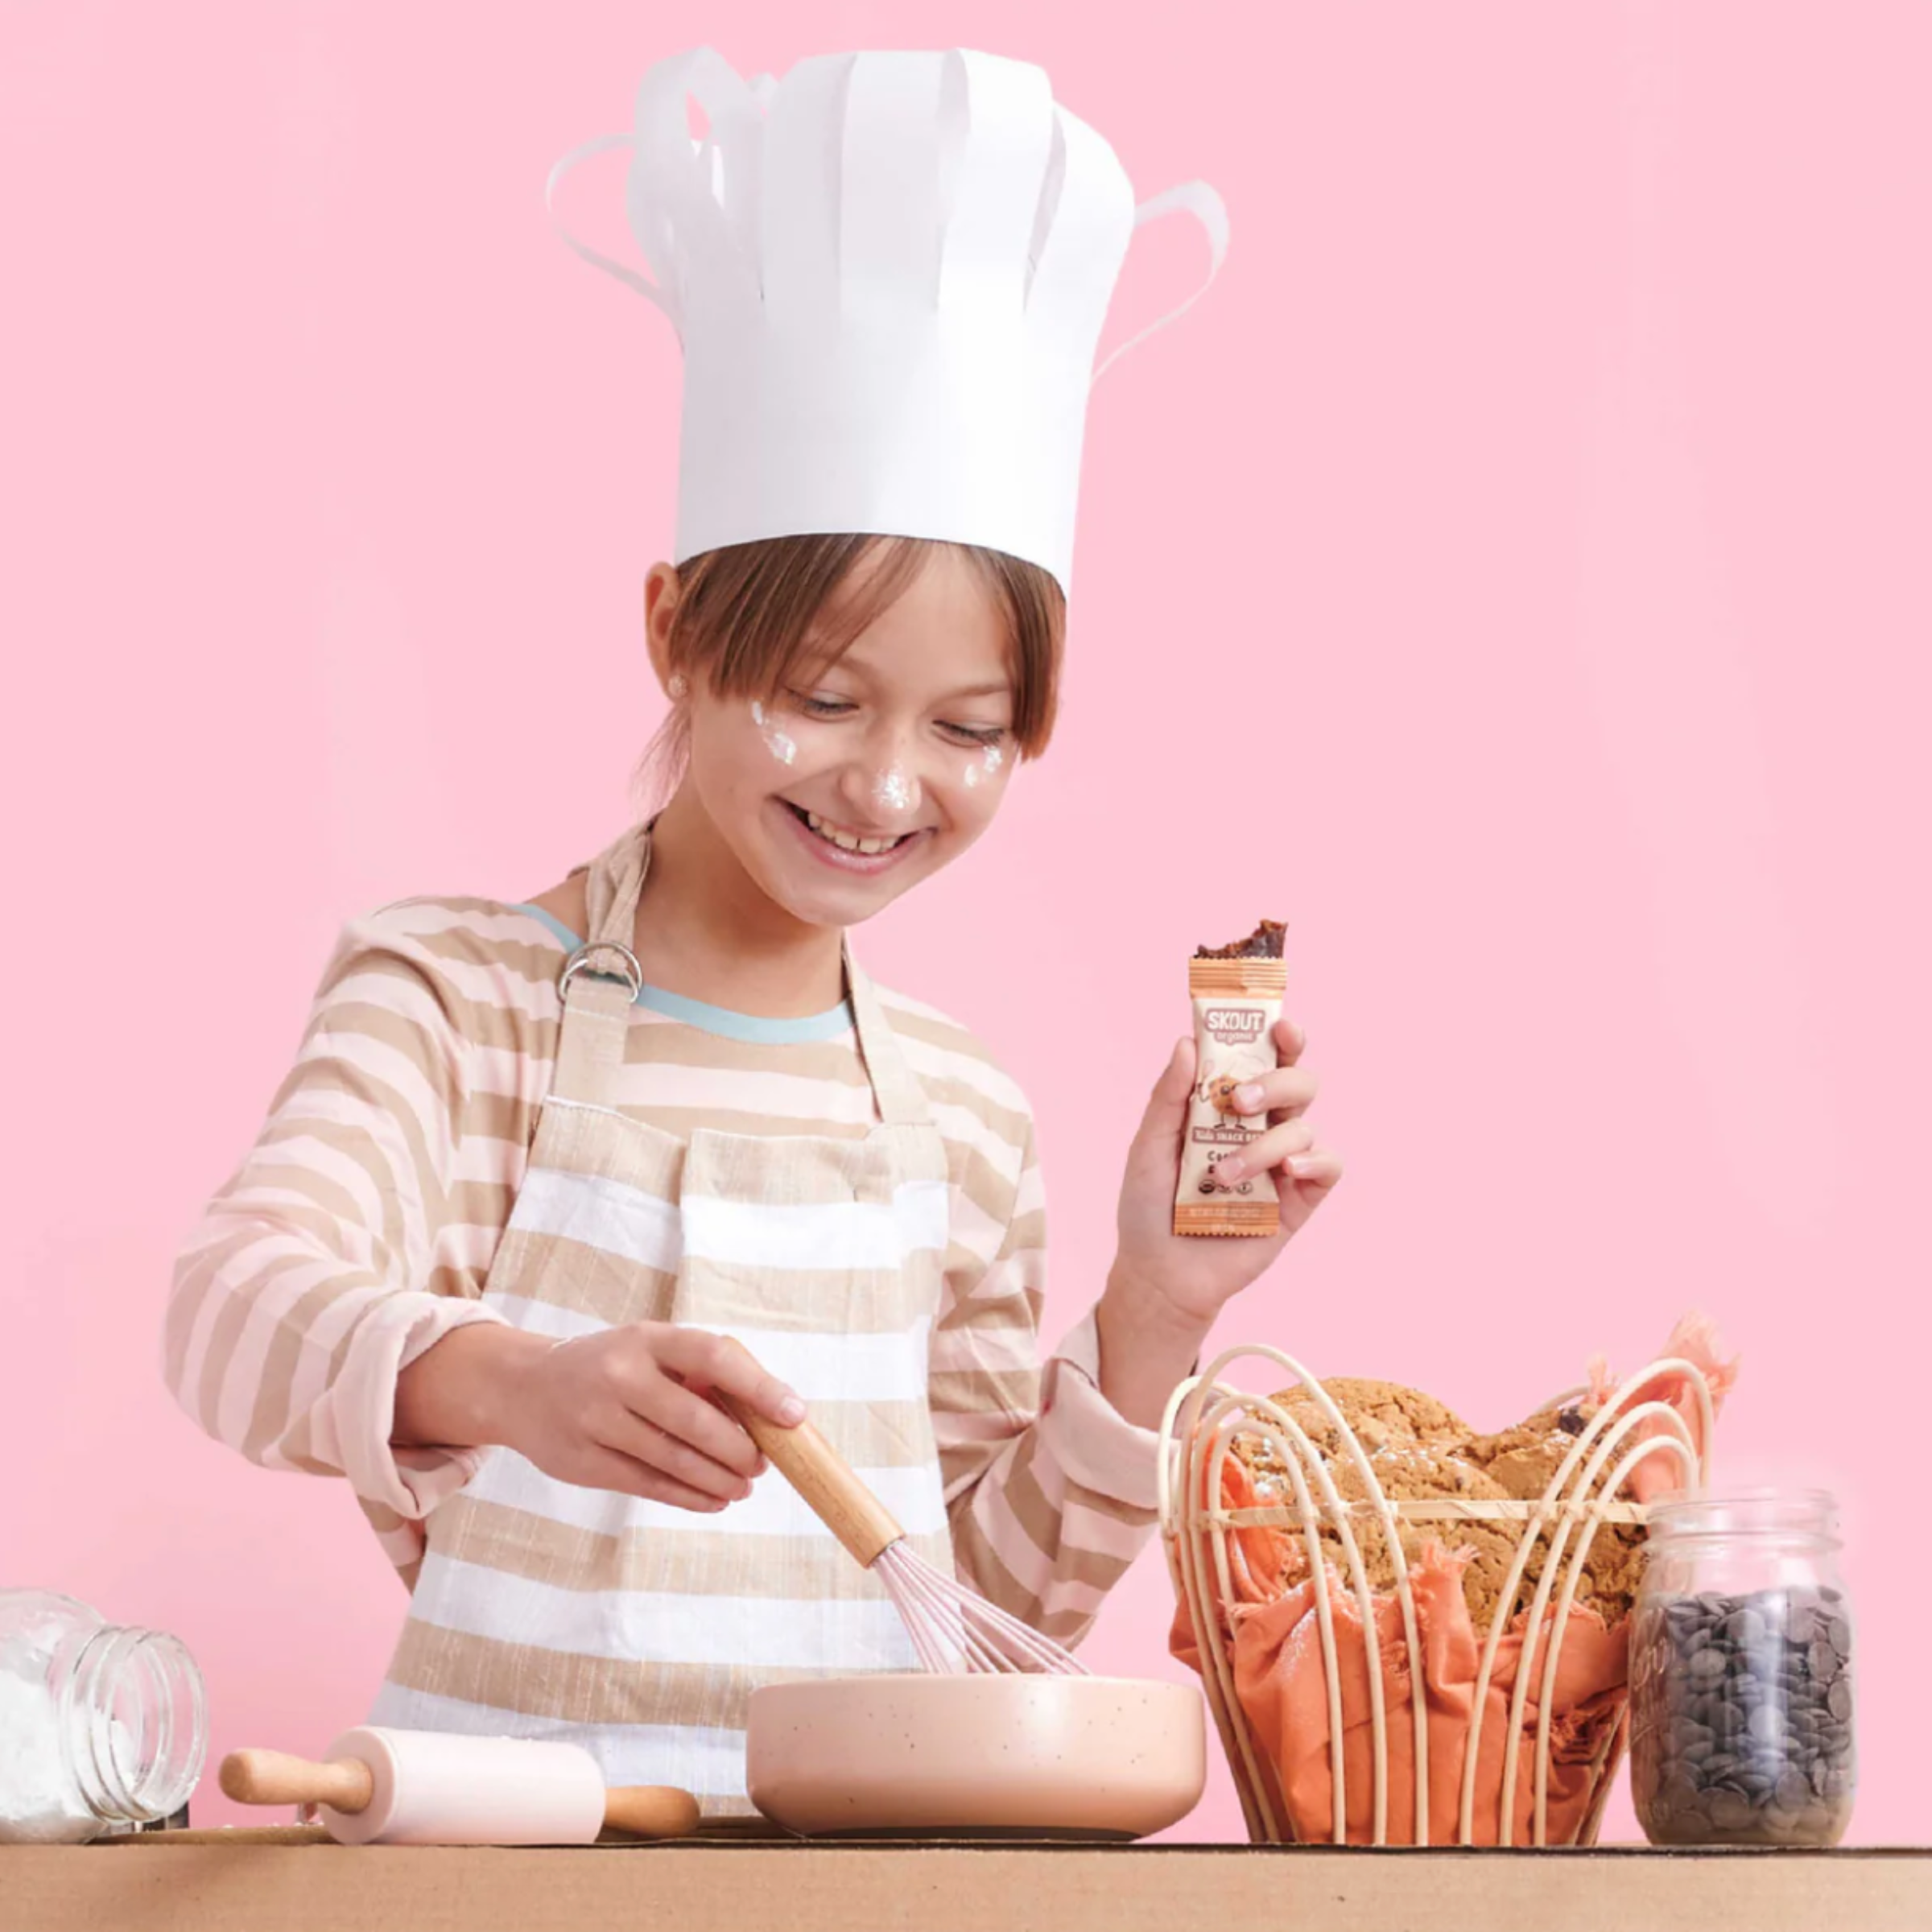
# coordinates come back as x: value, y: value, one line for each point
x: 1189, y: 1276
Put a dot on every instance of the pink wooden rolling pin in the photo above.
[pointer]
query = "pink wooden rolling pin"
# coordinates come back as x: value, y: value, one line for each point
x: 438, y: 1788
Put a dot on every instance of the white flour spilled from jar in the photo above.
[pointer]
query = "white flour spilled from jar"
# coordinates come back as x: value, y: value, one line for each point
x: 40, y: 1804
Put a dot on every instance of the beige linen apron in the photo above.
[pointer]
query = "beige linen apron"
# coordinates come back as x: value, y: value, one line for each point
x: 633, y: 1629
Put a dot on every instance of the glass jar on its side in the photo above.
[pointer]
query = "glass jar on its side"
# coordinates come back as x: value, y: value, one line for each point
x: 102, y: 1727
x: 1741, y: 1703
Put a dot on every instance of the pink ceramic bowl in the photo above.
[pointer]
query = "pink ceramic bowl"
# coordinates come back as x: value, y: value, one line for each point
x: 970, y: 1757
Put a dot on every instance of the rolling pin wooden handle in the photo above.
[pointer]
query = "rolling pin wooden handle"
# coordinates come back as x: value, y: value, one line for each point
x: 822, y: 1476
x: 650, y: 1811
x: 273, y: 1777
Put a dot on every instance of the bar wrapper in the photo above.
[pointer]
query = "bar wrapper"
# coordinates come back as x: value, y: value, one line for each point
x: 1237, y: 992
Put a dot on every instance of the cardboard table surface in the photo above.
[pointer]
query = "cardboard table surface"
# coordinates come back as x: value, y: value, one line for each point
x: 150, y: 1885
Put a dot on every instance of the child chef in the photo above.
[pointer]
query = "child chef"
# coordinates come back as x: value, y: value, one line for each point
x: 534, y: 1160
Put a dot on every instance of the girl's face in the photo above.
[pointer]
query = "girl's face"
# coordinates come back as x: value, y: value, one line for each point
x: 841, y: 794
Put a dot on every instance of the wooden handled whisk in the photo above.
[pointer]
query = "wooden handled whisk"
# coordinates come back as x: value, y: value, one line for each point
x: 952, y: 1628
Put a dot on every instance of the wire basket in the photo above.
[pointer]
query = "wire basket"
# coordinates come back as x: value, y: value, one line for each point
x: 1204, y: 1419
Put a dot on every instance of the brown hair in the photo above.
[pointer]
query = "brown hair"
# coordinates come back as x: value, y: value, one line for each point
x: 750, y: 617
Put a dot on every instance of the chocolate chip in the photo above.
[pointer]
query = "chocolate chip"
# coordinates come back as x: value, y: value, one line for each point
x: 1745, y: 1627
x: 1729, y: 1811
x: 1837, y: 1700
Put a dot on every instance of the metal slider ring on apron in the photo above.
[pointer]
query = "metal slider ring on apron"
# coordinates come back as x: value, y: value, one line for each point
x: 580, y: 962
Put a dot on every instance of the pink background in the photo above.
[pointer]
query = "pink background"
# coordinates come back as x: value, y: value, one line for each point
x: 1514, y: 573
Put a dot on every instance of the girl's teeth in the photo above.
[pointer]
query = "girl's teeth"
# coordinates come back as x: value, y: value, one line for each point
x: 844, y: 841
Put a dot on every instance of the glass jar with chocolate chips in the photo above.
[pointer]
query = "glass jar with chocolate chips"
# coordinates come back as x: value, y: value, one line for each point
x: 1741, y: 1701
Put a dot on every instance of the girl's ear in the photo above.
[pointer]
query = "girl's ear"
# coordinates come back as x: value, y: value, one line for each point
x: 661, y: 594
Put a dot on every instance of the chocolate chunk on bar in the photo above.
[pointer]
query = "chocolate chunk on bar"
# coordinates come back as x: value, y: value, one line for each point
x: 1263, y: 943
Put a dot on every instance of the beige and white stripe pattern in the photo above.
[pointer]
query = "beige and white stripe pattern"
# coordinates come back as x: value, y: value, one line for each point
x: 822, y: 1251
x: 377, y: 1204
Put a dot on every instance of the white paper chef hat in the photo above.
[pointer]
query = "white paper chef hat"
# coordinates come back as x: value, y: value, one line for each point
x: 889, y: 273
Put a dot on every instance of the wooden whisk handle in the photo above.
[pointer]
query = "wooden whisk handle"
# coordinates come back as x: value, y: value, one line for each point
x: 273, y: 1777
x: 822, y: 1476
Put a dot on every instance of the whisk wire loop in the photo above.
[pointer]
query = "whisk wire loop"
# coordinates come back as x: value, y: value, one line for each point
x: 953, y: 1628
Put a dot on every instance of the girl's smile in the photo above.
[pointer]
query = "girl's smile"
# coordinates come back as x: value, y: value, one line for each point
x: 868, y: 852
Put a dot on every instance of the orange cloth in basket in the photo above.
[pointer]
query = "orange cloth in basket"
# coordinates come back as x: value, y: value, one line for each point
x: 1282, y: 1688
x: 1695, y: 1340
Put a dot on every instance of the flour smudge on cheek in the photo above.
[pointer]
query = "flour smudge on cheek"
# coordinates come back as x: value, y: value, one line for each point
x: 781, y: 746
x: 987, y: 770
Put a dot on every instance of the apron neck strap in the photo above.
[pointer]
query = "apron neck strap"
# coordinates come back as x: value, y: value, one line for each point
x: 610, y: 893
x: 601, y: 980
x: 902, y: 1099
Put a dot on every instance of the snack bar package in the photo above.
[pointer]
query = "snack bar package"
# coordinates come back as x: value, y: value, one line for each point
x: 1237, y: 992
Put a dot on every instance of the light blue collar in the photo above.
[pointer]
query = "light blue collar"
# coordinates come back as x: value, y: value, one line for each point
x: 721, y: 1020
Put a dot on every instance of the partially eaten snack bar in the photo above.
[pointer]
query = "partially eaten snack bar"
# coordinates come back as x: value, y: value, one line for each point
x: 1236, y: 990
x: 1263, y: 943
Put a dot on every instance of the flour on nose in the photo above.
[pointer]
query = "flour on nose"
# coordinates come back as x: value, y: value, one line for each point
x: 892, y: 791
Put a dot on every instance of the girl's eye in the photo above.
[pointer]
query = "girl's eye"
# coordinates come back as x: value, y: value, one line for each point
x: 821, y: 708
x: 980, y: 737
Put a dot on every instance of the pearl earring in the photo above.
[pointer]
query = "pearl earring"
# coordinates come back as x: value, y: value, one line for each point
x: 677, y: 686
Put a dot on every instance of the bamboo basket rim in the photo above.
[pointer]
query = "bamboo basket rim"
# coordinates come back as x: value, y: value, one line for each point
x: 1440, y: 1509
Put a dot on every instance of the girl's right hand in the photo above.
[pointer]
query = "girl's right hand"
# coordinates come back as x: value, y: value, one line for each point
x: 622, y: 1409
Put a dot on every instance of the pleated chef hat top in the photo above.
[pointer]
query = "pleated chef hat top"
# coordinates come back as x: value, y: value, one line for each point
x: 889, y: 273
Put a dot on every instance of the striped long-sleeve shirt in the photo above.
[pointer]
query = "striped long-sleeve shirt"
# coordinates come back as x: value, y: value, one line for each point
x: 360, y: 1229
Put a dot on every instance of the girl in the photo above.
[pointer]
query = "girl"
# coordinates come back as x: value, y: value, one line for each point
x: 535, y: 1160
